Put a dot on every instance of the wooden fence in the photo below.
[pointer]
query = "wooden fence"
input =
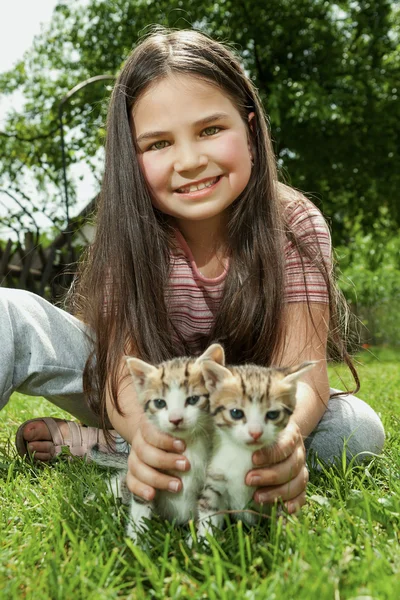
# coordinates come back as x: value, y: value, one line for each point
x: 47, y: 272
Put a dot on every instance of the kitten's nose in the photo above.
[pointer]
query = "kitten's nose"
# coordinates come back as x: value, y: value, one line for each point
x: 255, y: 434
x: 176, y: 421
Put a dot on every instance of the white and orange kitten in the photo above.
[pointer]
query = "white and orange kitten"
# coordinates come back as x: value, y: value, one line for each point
x: 176, y: 401
x: 250, y: 405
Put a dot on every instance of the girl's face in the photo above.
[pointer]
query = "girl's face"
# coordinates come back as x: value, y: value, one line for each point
x: 194, y: 147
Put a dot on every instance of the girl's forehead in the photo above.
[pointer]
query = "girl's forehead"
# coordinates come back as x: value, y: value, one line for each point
x: 180, y: 97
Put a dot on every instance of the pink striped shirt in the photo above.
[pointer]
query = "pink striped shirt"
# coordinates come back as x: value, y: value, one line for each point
x: 194, y: 299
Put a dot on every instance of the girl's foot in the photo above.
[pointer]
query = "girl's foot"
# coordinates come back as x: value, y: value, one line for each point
x: 45, y: 438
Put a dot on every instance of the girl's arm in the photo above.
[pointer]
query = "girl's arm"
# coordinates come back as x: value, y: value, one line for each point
x: 307, y: 336
x: 283, y: 473
x: 150, y: 449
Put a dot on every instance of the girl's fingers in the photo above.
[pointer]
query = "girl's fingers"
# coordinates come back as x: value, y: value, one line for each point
x: 156, y: 457
x: 279, y: 473
x: 145, y: 459
x: 159, y: 459
x: 293, y: 506
x: 139, y: 488
x: 161, y: 440
x: 291, y: 491
x: 282, y: 449
x: 149, y: 477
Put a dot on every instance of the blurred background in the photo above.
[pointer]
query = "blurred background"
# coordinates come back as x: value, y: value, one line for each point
x: 329, y: 77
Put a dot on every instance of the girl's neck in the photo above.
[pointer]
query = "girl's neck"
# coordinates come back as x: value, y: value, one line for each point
x: 207, y: 235
x: 207, y: 243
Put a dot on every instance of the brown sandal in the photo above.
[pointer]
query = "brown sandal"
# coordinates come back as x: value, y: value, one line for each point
x: 80, y: 440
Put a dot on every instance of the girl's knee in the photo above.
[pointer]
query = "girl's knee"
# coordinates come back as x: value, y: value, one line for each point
x: 349, y: 425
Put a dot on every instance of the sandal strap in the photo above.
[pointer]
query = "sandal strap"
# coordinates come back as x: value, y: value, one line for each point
x: 55, y: 432
x: 79, y: 441
x: 82, y: 438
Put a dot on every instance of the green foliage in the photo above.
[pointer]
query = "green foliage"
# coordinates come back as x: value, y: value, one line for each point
x: 328, y: 74
x: 370, y: 279
x: 62, y: 535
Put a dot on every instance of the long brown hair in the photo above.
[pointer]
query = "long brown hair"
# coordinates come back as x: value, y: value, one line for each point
x: 119, y: 291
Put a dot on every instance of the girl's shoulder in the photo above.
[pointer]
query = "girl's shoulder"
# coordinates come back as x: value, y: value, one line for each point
x: 300, y: 215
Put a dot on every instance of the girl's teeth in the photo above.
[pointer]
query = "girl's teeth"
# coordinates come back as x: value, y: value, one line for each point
x: 195, y: 188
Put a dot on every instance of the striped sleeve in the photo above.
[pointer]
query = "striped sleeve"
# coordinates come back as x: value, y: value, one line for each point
x: 304, y: 280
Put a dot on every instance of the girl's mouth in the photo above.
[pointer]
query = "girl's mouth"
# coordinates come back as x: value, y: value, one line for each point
x: 200, y: 189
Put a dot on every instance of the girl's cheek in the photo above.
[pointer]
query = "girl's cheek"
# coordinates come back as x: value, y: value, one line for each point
x: 233, y: 149
x: 153, y: 170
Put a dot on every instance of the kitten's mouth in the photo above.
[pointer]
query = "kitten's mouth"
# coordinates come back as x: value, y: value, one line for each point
x: 178, y: 428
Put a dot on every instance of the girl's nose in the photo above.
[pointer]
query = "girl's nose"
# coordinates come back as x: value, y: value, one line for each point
x: 189, y: 158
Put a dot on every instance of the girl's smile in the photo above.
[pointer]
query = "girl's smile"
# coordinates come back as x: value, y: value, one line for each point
x: 199, y: 189
x: 193, y: 147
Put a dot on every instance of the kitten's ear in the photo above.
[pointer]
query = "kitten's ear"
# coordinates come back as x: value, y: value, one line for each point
x: 214, y: 374
x: 214, y: 352
x: 295, y: 373
x: 139, y: 369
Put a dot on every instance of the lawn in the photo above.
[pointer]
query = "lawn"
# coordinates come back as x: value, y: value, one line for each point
x: 62, y: 536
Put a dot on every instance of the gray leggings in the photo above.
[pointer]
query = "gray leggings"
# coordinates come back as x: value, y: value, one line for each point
x: 43, y: 351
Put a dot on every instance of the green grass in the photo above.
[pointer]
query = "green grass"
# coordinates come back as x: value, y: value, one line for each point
x: 62, y: 535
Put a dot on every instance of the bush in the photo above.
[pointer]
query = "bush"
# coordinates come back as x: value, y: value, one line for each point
x: 369, y: 277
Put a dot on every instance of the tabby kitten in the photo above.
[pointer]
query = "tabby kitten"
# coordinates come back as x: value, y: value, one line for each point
x: 251, y: 405
x: 176, y: 400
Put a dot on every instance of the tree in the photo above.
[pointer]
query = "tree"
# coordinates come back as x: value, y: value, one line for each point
x: 328, y: 74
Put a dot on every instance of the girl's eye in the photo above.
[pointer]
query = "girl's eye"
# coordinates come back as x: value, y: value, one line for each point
x: 237, y: 414
x: 159, y: 403
x: 159, y: 145
x: 272, y: 415
x: 192, y: 400
x: 212, y: 130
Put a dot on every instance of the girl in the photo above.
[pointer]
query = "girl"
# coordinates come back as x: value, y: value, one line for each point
x: 196, y: 242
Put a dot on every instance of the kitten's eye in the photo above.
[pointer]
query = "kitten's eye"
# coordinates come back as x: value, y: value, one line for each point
x: 272, y: 415
x: 192, y: 400
x: 236, y: 413
x: 159, y: 403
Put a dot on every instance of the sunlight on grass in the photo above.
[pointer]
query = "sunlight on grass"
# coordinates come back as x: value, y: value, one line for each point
x: 62, y: 535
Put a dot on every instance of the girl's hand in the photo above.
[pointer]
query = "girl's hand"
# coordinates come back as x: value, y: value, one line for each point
x: 282, y: 472
x: 152, y: 452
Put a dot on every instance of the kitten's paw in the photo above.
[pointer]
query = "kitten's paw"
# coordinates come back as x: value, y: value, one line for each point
x: 203, y: 530
x: 114, y: 487
x: 132, y: 532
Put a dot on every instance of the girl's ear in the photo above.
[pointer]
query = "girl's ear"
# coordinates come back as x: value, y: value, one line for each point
x: 295, y: 373
x: 139, y: 369
x: 214, y: 352
x: 214, y: 374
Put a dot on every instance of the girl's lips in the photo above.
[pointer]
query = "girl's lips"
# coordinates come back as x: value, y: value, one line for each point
x: 199, y: 193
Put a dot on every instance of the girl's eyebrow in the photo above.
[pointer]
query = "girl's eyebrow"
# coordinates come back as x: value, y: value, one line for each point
x: 153, y: 134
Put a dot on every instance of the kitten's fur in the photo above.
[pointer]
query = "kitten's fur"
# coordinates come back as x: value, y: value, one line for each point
x: 265, y: 399
x: 175, y: 399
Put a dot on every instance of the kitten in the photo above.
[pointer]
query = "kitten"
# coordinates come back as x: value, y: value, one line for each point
x: 251, y: 405
x: 176, y: 400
